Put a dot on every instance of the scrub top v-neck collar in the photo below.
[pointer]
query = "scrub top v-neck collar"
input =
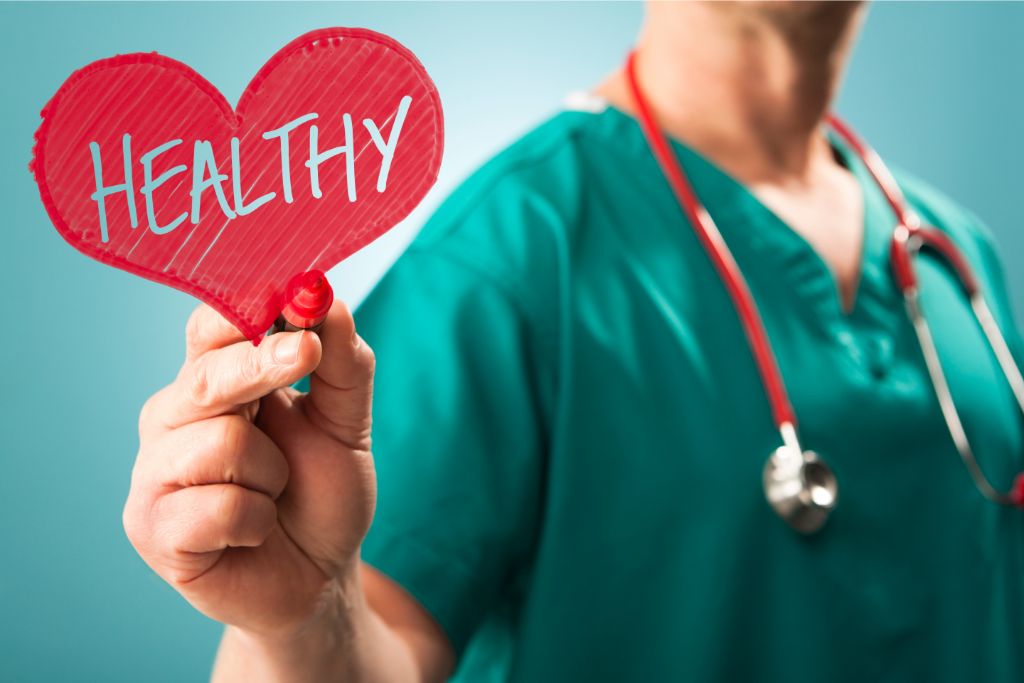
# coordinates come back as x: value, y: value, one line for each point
x: 759, y: 237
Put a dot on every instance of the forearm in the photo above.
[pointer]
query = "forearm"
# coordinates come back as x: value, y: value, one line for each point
x: 348, y: 643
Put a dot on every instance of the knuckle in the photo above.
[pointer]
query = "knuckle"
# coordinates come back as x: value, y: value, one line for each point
x: 352, y: 428
x: 194, y: 327
x: 208, y: 451
x: 356, y: 431
x: 251, y: 367
x: 198, y: 388
x: 231, y: 505
x: 178, y: 577
x: 147, y: 414
x: 150, y: 416
x: 367, y: 358
x: 364, y: 433
x: 234, y: 434
x: 137, y: 514
x: 129, y: 522
x: 360, y: 437
x: 231, y: 444
x: 134, y: 524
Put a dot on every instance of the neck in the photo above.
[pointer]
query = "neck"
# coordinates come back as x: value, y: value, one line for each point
x: 747, y: 85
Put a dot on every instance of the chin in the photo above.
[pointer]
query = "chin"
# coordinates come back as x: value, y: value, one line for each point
x: 791, y: 12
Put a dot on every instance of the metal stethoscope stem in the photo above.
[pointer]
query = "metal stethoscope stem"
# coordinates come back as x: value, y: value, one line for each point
x: 798, y: 484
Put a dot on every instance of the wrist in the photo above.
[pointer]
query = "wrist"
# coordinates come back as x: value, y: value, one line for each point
x: 309, y: 650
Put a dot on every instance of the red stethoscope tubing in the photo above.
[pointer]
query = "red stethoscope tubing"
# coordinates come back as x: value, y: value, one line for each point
x: 906, y: 219
x: 909, y: 237
x: 728, y: 271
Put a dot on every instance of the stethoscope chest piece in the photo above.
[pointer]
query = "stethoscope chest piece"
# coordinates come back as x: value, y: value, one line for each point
x: 800, y: 487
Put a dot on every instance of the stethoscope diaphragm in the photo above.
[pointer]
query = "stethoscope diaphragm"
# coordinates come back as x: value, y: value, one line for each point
x: 799, y: 485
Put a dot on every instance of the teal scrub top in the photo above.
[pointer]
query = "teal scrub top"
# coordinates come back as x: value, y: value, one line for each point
x: 570, y: 432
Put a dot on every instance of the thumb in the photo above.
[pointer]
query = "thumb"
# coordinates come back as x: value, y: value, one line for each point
x: 328, y: 504
x: 341, y: 388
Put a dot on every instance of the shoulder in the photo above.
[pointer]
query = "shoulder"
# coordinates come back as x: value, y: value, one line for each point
x: 510, y: 225
x: 970, y: 234
x: 544, y: 164
x: 515, y: 214
x: 940, y: 210
x: 549, y: 153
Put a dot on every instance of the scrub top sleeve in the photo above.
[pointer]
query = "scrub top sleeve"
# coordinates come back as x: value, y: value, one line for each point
x: 456, y: 436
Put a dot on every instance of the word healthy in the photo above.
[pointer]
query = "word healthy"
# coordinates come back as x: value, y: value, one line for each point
x: 206, y: 176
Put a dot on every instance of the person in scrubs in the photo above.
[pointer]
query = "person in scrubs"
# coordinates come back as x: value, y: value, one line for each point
x: 569, y: 430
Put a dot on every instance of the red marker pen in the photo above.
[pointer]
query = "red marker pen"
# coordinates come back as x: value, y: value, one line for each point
x: 306, y: 300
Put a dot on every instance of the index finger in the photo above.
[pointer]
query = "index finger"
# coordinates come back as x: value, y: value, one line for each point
x: 222, y: 380
x: 208, y: 330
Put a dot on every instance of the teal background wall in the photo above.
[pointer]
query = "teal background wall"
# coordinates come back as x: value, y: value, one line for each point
x: 935, y: 87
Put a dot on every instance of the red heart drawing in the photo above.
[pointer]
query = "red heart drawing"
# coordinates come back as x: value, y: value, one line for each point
x: 142, y: 164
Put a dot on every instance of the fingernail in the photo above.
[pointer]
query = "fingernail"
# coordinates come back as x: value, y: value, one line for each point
x: 286, y: 350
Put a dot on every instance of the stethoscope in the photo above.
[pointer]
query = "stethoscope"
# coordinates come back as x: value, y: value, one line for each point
x: 798, y: 484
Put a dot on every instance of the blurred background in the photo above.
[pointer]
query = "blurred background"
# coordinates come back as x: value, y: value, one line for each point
x: 936, y: 87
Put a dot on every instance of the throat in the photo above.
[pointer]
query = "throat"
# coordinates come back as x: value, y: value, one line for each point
x: 827, y: 212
